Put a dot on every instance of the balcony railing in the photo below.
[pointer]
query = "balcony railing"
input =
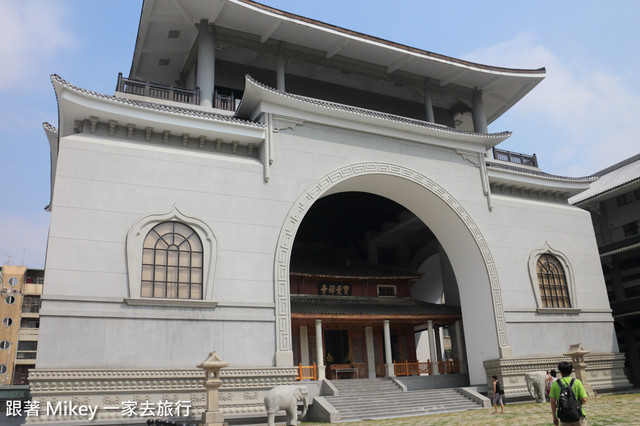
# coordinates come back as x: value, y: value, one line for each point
x: 515, y: 157
x: 157, y: 91
x: 308, y: 372
x: 449, y: 366
x: 412, y: 368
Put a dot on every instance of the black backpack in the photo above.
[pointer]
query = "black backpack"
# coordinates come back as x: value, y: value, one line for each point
x: 569, y: 409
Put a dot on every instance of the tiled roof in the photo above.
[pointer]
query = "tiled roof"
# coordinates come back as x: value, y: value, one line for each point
x: 383, y: 306
x: 330, y: 267
x: 616, y: 177
x: 335, y: 28
x: 620, y: 246
x: 47, y: 126
x: 537, y: 173
x: 159, y: 107
x: 377, y: 114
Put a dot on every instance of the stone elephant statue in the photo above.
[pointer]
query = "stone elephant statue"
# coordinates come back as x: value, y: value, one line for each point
x: 536, y: 384
x: 286, y: 398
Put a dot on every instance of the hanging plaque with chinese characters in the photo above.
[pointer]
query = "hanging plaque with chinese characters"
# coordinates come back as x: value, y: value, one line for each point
x: 334, y: 289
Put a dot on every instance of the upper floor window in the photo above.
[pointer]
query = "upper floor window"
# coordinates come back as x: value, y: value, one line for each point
x: 172, y: 262
x: 554, y: 292
x: 386, y: 290
x: 30, y: 323
x: 624, y: 199
x: 552, y: 281
x: 630, y: 229
x: 31, y: 304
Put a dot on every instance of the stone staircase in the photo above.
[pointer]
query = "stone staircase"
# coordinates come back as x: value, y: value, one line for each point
x: 363, y: 399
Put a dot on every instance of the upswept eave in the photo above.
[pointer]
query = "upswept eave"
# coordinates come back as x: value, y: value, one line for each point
x: 506, y: 175
x: 259, y: 99
x: 52, y: 136
x: 313, y: 23
x: 175, y: 118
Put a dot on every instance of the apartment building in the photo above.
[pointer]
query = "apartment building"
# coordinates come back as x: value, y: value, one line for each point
x: 21, y: 289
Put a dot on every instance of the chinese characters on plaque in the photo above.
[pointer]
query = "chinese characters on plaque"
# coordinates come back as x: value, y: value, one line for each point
x: 333, y: 289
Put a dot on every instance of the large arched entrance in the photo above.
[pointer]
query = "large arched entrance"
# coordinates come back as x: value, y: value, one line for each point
x: 451, y: 224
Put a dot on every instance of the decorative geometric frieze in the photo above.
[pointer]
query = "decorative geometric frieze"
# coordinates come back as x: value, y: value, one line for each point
x: 242, y: 390
x: 314, y: 191
x: 605, y: 371
x: 111, y: 128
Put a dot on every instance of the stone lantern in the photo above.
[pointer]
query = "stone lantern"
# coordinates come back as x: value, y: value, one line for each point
x: 577, y: 353
x: 212, y: 366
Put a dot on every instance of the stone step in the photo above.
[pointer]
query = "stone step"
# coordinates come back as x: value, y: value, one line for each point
x: 409, y: 408
x: 385, y: 413
x: 414, y: 394
x: 360, y: 399
x: 391, y: 411
x: 397, y: 402
x: 375, y: 399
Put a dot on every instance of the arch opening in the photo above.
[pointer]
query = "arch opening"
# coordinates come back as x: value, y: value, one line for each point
x: 446, y: 230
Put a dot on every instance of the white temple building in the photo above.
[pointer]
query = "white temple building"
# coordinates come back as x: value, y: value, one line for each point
x: 278, y: 189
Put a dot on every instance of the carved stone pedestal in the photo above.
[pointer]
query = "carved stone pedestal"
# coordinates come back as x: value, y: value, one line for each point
x: 577, y: 353
x: 212, y: 366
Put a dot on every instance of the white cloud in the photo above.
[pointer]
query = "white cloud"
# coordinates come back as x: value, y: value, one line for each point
x: 32, y: 32
x: 587, y: 115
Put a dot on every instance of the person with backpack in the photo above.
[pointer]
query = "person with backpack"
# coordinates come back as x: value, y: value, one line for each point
x: 567, y: 396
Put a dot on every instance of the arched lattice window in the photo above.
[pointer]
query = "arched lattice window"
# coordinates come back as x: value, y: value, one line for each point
x: 554, y: 292
x: 172, y: 262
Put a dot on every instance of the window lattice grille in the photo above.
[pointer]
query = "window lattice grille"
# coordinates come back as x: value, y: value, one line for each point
x: 172, y: 262
x: 554, y: 291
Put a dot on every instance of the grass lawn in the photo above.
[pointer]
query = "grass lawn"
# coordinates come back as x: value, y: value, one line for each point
x: 620, y: 409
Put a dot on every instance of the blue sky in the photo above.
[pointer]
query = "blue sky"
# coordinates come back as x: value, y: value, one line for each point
x: 582, y: 118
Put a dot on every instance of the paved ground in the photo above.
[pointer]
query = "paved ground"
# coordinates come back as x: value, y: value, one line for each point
x: 622, y: 409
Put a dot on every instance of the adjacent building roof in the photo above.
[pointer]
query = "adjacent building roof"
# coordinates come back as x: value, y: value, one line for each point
x: 617, y: 178
x: 352, y: 307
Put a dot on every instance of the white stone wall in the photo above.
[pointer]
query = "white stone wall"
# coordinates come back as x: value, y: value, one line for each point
x: 521, y: 226
x: 104, y: 184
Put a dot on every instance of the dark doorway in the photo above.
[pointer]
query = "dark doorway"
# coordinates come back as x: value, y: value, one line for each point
x: 337, y: 344
x: 395, y: 346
